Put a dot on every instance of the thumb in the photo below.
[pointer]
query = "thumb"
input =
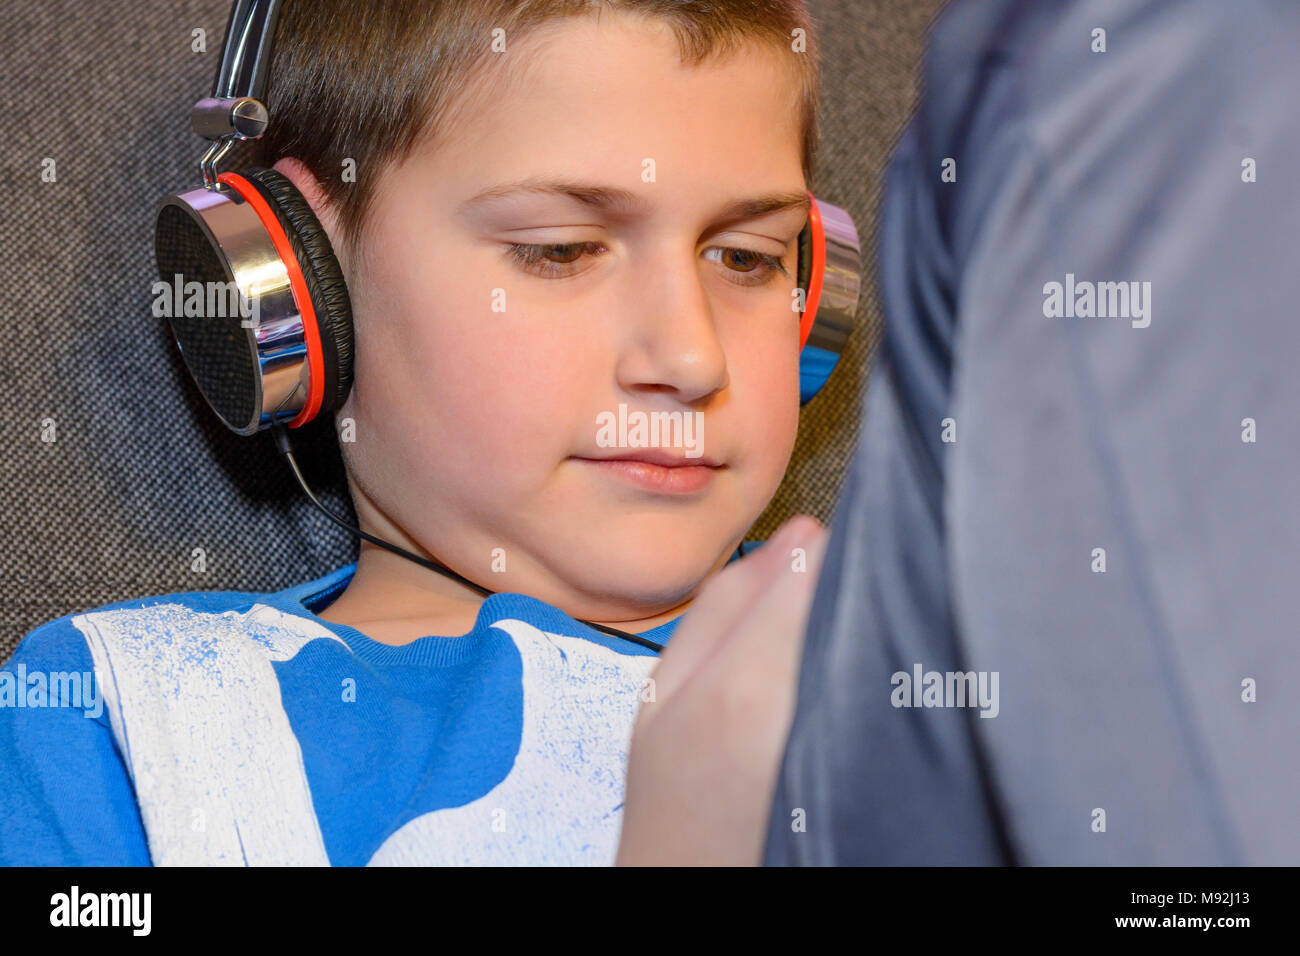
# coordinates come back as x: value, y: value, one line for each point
x: 723, y: 602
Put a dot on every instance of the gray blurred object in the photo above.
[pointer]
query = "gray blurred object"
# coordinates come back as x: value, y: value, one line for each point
x: 141, y: 472
x: 1121, y: 690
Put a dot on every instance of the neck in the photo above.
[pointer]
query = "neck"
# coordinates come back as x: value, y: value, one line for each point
x: 394, y: 601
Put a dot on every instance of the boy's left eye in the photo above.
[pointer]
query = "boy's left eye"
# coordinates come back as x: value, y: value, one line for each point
x: 553, y: 260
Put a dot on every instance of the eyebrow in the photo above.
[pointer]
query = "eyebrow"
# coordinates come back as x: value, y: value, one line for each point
x: 619, y: 200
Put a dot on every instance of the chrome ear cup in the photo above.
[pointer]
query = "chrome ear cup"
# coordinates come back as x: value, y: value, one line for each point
x: 260, y: 308
x: 830, y: 275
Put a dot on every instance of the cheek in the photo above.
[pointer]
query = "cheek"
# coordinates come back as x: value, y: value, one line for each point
x: 478, y: 389
x: 781, y: 414
x: 765, y: 377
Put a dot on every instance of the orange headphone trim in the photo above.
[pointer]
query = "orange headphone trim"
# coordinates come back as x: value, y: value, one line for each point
x: 301, y: 297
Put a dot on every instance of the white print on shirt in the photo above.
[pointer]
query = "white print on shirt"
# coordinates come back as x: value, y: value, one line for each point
x: 196, y: 709
x: 561, y: 804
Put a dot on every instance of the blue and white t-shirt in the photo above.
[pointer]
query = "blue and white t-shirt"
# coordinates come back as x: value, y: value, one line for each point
x: 228, y: 727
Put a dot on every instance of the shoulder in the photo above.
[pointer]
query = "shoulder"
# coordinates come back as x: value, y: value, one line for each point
x: 182, y: 622
x: 61, y: 635
x: 61, y: 641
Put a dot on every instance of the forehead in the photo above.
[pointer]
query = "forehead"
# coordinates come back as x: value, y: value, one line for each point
x: 608, y: 95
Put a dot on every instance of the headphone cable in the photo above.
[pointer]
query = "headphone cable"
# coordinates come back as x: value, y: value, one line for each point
x: 282, y: 444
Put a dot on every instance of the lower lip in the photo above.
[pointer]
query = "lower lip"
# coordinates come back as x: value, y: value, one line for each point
x: 681, y: 480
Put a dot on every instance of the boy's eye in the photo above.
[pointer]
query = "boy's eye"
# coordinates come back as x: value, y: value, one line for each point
x: 553, y: 260
x: 550, y: 259
x: 757, y: 268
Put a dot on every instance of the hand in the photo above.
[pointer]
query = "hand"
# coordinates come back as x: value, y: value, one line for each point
x: 706, y: 751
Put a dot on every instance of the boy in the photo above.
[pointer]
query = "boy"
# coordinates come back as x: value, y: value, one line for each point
x: 600, y: 211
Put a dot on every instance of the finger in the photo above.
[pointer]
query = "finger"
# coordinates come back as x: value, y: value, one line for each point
x: 760, y: 659
x: 722, y: 602
x: 735, y: 710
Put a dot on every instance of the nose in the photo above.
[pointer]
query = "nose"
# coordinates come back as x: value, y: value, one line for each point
x: 670, y: 338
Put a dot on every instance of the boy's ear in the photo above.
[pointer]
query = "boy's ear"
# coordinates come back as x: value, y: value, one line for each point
x: 297, y: 173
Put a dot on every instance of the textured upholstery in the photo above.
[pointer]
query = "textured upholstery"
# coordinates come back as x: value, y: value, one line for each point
x: 141, y: 473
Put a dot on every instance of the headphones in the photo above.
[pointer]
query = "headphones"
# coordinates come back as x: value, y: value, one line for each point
x: 289, y: 361
x: 253, y: 228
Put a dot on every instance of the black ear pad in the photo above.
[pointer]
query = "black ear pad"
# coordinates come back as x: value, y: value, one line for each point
x: 324, y: 277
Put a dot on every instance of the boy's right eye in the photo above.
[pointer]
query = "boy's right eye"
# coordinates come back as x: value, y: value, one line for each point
x: 551, y: 260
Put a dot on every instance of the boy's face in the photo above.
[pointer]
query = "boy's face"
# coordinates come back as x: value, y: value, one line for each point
x: 480, y: 377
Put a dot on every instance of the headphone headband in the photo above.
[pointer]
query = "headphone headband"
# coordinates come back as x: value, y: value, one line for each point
x: 247, y: 53
x: 235, y: 109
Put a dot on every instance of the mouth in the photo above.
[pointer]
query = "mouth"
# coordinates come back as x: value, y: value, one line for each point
x: 658, y: 471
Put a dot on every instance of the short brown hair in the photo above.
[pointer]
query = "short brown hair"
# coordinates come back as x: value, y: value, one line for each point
x: 364, y: 79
